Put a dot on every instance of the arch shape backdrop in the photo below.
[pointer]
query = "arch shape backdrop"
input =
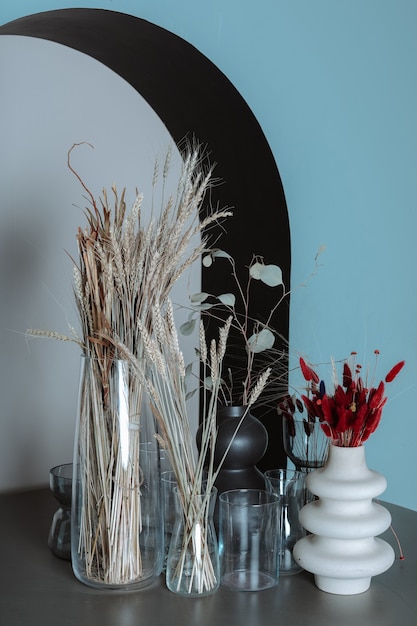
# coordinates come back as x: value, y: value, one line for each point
x: 194, y: 99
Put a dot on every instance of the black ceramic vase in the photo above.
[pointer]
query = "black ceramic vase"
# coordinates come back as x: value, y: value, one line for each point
x: 239, y: 469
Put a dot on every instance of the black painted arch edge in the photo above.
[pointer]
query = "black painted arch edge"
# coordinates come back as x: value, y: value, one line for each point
x: 188, y: 92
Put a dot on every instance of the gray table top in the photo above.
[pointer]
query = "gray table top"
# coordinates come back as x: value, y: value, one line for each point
x: 37, y: 588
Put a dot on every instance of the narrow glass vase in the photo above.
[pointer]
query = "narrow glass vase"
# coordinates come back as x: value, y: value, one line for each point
x: 193, y: 557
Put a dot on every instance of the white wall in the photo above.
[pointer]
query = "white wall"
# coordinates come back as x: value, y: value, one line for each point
x: 41, y: 206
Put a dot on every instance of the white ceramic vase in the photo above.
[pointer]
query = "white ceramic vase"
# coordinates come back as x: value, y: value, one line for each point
x: 342, y: 550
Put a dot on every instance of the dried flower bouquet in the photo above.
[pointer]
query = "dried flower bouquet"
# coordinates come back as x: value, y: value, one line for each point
x: 125, y: 271
x: 352, y: 411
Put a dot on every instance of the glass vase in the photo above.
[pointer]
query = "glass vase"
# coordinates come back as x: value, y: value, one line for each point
x: 169, y: 485
x: 60, y: 483
x: 305, y: 443
x: 289, y: 486
x: 116, y: 523
x: 193, y: 560
x: 249, y: 539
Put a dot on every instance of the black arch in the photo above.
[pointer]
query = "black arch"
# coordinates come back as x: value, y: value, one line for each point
x: 193, y: 98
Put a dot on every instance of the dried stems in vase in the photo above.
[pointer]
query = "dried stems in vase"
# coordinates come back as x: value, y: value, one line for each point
x: 195, y: 472
x: 125, y: 270
x: 110, y: 522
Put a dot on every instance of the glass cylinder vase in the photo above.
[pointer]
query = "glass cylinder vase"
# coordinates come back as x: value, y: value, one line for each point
x: 116, y: 523
x: 289, y: 486
x: 249, y: 539
x: 193, y: 559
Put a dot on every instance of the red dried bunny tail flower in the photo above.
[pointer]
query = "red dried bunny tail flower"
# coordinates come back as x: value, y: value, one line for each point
x: 376, y: 397
x: 347, y: 375
x: 326, y: 429
x: 308, y: 372
x: 313, y: 409
x: 394, y: 371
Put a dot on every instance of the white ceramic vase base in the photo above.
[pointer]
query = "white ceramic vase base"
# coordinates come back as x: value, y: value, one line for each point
x: 342, y: 550
x: 344, y: 566
x: 342, y: 586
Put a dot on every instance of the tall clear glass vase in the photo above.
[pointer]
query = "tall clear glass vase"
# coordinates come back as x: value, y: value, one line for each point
x: 116, y: 524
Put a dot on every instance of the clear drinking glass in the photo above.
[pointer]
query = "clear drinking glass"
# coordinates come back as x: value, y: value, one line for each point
x: 248, y: 539
x: 288, y: 485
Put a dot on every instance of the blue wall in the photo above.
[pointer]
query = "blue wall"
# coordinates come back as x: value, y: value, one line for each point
x: 334, y: 87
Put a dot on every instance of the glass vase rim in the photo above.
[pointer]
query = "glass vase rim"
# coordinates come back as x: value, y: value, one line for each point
x: 271, y: 498
x: 213, y: 491
x: 335, y: 445
x: 62, y: 467
x: 170, y: 476
x: 294, y: 473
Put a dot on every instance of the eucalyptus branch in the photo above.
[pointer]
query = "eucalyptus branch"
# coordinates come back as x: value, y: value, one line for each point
x: 257, y: 337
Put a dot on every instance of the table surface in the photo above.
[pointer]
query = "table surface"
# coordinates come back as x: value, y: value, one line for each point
x: 37, y: 588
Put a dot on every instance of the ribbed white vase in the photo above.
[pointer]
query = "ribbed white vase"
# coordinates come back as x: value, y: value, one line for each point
x: 343, y: 551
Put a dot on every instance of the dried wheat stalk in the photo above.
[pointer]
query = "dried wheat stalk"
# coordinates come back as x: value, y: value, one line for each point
x: 195, y: 473
x: 125, y: 271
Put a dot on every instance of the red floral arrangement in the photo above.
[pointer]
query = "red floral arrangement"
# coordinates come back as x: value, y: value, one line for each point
x: 353, y: 411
